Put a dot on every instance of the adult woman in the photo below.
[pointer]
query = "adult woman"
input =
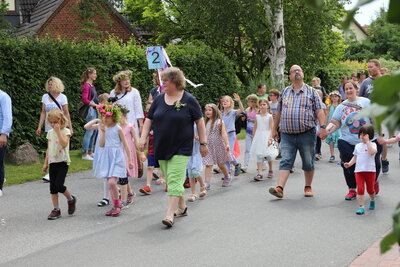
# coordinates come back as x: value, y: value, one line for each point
x: 89, y: 97
x: 124, y: 94
x: 172, y: 114
x: 155, y: 91
x: 345, y: 118
x: 316, y: 83
x: 54, y: 98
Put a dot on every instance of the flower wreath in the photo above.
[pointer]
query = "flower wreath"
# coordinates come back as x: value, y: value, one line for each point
x: 123, y: 108
x: 109, y: 110
x: 122, y: 75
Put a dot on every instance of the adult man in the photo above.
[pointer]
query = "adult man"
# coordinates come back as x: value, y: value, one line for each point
x: 262, y: 91
x: 341, y: 87
x: 366, y: 88
x: 5, y: 130
x: 299, y: 104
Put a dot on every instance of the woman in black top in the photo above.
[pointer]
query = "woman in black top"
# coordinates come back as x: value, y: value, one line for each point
x: 172, y: 116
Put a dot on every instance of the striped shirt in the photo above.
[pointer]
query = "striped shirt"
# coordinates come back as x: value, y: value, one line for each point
x: 298, y: 111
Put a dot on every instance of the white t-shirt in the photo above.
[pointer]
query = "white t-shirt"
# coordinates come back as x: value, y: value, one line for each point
x: 365, y: 162
x: 133, y: 102
x: 49, y: 105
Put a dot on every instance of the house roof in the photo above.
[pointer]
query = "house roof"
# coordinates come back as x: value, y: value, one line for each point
x: 41, y: 10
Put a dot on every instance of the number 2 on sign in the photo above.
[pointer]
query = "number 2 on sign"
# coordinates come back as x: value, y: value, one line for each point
x: 155, y: 57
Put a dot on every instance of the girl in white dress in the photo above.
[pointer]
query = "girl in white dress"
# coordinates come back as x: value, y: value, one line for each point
x: 262, y: 137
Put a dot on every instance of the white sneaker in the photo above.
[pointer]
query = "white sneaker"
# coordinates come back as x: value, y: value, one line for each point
x: 46, y: 178
x: 1, y: 192
x: 87, y: 157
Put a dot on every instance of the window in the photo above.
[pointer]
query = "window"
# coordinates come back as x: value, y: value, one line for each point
x: 11, y: 4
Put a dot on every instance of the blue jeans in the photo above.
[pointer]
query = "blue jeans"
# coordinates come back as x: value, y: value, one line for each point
x: 231, y: 139
x: 90, y: 135
x: 304, y: 143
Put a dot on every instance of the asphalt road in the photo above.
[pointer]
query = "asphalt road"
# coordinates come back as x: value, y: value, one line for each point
x: 237, y: 226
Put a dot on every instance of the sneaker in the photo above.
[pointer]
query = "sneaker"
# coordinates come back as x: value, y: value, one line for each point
x: 385, y: 166
x: 270, y: 174
x: 360, y: 211
x: 276, y: 191
x: 46, y: 178
x: 237, y: 169
x: 332, y: 159
x: 279, y: 156
x: 145, y: 190
x: 371, y: 205
x: 1, y: 192
x: 87, y: 157
x: 71, y: 205
x: 376, y: 187
x: 227, y: 182
x: 208, y: 186
x: 258, y: 177
x: 130, y: 198
x: 351, y: 195
x: 103, y: 202
x: 54, y: 214
x: 308, y: 191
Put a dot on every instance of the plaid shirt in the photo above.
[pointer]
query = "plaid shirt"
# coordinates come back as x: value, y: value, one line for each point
x: 298, y: 111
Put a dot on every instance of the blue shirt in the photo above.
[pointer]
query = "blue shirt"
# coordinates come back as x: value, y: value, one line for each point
x: 345, y: 114
x: 229, y: 120
x: 5, y: 113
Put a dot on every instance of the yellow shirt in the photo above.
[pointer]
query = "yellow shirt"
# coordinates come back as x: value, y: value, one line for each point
x: 55, y: 151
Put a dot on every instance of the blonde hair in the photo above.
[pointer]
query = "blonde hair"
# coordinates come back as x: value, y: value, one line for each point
x: 266, y: 101
x: 126, y: 74
x: 59, y: 115
x: 57, y: 85
x: 375, y: 61
x: 216, y: 115
x: 355, y: 85
x: 175, y: 76
x: 252, y: 98
x: 334, y: 93
x: 103, y: 98
x: 85, y: 75
x: 230, y: 100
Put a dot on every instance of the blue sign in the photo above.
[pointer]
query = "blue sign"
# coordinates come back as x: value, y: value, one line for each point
x: 155, y: 57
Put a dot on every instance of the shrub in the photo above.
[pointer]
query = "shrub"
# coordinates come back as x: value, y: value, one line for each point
x: 25, y: 65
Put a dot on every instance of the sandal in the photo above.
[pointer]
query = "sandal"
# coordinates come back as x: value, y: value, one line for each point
x: 181, y: 213
x: 160, y: 181
x: 193, y: 198
x: 167, y: 222
x: 116, y: 211
x: 258, y: 177
x: 203, y: 192
x: 103, y: 202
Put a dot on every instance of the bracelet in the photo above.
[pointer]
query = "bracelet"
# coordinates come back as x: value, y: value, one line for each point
x: 203, y: 144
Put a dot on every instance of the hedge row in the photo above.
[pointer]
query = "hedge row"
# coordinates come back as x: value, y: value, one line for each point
x: 26, y: 64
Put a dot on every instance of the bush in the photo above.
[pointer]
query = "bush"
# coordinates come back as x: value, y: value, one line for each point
x: 25, y: 65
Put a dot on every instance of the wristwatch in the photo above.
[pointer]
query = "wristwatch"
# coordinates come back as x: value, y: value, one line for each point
x: 323, y: 126
x: 203, y: 144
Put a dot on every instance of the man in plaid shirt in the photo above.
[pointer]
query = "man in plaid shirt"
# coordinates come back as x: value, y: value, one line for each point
x: 299, y: 109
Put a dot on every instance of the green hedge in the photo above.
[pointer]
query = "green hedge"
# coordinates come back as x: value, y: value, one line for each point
x: 26, y: 64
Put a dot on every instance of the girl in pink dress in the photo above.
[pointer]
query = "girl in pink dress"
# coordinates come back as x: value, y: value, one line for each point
x: 131, y: 138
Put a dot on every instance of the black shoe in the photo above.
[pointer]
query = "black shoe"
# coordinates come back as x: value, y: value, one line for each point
x: 54, y: 214
x: 279, y: 156
x: 237, y: 169
x: 71, y: 205
x: 385, y: 166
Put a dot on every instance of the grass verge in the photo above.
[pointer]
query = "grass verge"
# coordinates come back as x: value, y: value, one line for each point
x: 25, y: 173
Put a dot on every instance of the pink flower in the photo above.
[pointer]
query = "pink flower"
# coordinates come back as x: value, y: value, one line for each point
x: 102, y: 111
x: 108, y: 114
x: 100, y: 106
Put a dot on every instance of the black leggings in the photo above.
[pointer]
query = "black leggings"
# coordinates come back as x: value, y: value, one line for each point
x: 346, y: 153
x: 57, y: 172
x: 318, y: 146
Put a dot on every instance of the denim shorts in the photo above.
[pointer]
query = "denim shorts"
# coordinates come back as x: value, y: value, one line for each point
x: 304, y: 143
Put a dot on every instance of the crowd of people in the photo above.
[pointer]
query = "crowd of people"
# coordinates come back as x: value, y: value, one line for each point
x: 180, y: 140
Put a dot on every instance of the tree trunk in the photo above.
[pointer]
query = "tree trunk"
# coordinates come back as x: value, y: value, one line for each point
x: 277, y: 50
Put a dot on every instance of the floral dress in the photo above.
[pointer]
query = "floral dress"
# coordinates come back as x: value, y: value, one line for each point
x: 217, y: 153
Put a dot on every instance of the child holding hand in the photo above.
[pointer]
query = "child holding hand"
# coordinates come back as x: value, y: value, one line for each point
x: 365, y: 172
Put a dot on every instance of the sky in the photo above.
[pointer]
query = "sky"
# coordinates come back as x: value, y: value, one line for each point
x: 368, y: 13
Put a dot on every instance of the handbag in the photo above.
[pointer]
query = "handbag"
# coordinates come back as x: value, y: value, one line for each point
x: 83, y: 109
x: 272, y: 151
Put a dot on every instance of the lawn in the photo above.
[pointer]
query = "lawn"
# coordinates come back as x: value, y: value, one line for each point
x: 24, y: 173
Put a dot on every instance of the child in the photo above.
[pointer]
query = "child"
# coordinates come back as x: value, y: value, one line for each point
x: 218, y: 145
x: 332, y: 139
x: 111, y: 162
x: 131, y: 138
x: 57, y: 161
x: 273, y: 105
x: 250, y: 112
x: 94, y: 126
x: 365, y: 172
x: 318, y: 154
x: 228, y: 116
x: 393, y: 140
x: 262, y: 137
x: 193, y: 169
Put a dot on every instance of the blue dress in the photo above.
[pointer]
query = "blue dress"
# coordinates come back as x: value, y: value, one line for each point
x: 333, y: 137
x: 111, y: 161
x: 195, y: 161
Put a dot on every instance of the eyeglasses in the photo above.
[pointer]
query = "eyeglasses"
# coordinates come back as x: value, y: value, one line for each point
x: 272, y: 95
x: 296, y: 70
